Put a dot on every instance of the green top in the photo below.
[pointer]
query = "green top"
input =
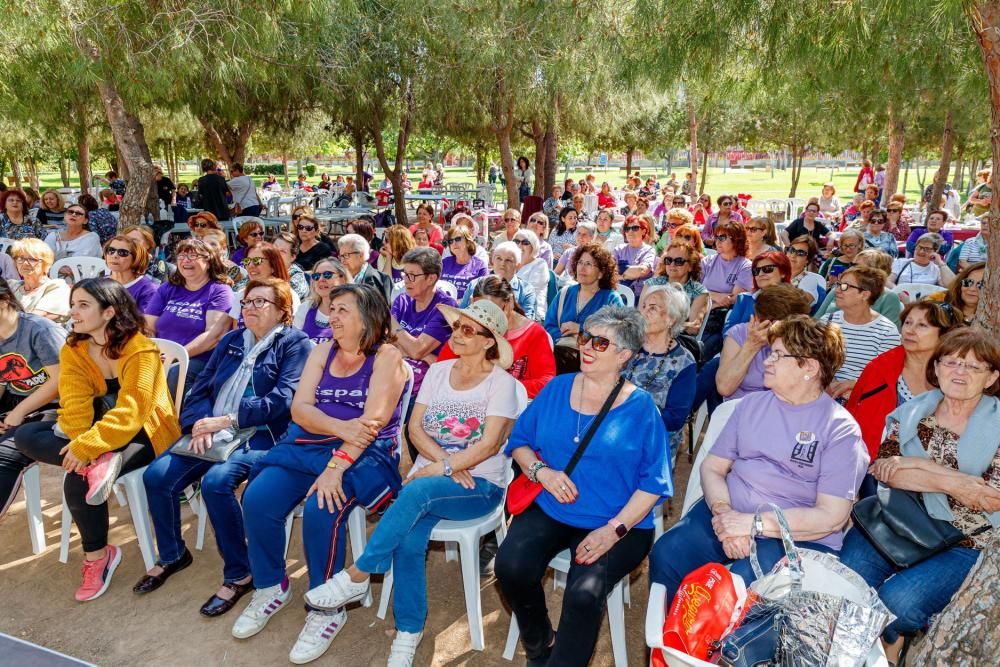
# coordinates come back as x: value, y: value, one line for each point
x: 888, y: 304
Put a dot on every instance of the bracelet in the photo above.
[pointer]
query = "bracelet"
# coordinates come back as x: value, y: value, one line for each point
x: 340, y: 454
x: 534, y: 469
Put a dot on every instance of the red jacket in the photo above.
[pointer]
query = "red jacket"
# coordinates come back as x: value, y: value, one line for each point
x: 861, y: 174
x: 874, y: 396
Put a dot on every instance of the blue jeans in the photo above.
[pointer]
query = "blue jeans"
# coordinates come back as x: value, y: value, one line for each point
x: 275, y: 490
x: 915, y: 594
x: 168, y: 475
x: 691, y: 543
x: 401, y: 537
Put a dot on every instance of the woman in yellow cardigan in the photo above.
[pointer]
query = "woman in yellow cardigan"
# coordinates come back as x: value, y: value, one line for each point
x: 115, y: 415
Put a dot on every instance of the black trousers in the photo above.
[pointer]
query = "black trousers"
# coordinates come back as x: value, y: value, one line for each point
x: 533, y: 540
x: 13, y: 462
x: 38, y: 442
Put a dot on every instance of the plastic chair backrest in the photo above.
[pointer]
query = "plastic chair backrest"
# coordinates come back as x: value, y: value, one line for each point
x: 6, y: 245
x: 553, y: 288
x: 704, y: 320
x: 80, y: 267
x: 715, y: 424
x: 404, y: 412
x: 174, y: 353
x: 628, y: 296
x: 448, y: 288
x: 916, y: 291
x: 953, y: 254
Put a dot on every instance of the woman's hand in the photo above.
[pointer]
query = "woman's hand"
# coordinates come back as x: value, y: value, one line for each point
x: 210, y: 425
x: 569, y: 328
x: 359, y: 432
x: 731, y: 524
x: 329, y: 490
x: 757, y: 333
x: 200, y: 443
x: 841, y: 388
x: 558, y: 484
x: 70, y: 461
x: 737, y: 548
x: 10, y: 420
x: 976, y: 494
x: 883, y: 469
x: 595, y: 545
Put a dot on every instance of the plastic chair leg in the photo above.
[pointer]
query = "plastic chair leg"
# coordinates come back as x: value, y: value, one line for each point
x: 288, y: 530
x: 202, y: 513
x: 357, y: 531
x: 33, y: 500
x: 139, y: 508
x: 513, y: 634
x: 470, y: 579
x: 383, y: 600
x: 616, y: 622
x: 450, y: 551
x: 64, y: 536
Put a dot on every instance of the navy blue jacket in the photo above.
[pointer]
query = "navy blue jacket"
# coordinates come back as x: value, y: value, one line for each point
x: 275, y: 377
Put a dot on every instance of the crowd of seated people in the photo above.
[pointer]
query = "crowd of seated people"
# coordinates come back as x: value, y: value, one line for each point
x: 515, y: 341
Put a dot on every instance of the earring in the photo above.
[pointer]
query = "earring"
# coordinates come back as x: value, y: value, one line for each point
x: 806, y: 377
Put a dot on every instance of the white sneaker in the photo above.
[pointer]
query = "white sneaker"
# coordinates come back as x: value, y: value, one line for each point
x: 337, y: 591
x: 404, y: 646
x: 263, y: 605
x: 319, y: 632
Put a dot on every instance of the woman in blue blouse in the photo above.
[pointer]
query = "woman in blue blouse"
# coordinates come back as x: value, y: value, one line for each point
x: 597, y: 277
x: 876, y: 236
x: 602, y: 511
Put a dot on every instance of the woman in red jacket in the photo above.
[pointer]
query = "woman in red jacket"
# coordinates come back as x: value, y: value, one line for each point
x: 896, y: 376
x: 534, y: 362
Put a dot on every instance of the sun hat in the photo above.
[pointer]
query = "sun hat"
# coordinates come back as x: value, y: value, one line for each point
x: 489, y: 315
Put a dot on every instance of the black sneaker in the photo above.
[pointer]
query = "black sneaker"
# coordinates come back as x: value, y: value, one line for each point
x: 487, y: 555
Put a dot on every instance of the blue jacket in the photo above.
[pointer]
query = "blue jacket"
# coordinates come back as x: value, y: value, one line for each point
x: 275, y: 377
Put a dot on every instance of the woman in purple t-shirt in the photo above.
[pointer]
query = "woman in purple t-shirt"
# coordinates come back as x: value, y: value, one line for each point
x: 635, y: 257
x: 349, y: 402
x: 462, y: 266
x: 792, y: 446
x: 192, y: 307
x: 313, y: 316
x: 725, y: 274
x: 128, y: 261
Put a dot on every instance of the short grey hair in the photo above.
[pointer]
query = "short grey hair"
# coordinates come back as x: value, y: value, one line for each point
x: 855, y: 232
x: 589, y: 226
x: 427, y: 259
x: 356, y: 243
x: 532, y: 238
x: 508, y: 246
x: 932, y: 237
x: 625, y: 324
x: 678, y: 304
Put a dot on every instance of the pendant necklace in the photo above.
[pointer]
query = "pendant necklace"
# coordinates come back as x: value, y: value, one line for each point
x: 576, y: 438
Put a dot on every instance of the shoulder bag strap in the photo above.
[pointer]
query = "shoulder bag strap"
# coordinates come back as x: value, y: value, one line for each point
x: 594, y: 426
x: 903, y: 268
x: 559, y: 309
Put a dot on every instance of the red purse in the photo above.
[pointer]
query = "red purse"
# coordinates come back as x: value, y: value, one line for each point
x: 521, y: 493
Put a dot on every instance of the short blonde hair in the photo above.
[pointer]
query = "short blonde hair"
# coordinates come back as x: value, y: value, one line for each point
x: 34, y: 248
x: 681, y: 214
x: 59, y: 198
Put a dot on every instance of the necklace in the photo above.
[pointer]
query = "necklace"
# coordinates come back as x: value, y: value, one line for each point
x: 576, y: 438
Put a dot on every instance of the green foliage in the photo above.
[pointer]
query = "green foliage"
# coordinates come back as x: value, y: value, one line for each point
x: 265, y: 169
x: 310, y: 170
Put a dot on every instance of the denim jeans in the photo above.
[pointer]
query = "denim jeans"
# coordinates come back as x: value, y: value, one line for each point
x: 401, y: 536
x: 168, y: 475
x: 915, y: 594
x: 692, y: 542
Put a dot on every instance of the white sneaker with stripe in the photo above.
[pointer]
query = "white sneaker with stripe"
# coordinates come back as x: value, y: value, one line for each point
x: 320, y: 630
x: 263, y: 605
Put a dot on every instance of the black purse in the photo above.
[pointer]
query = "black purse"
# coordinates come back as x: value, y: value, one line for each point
x: 756, y: 641
x: 897, y: 524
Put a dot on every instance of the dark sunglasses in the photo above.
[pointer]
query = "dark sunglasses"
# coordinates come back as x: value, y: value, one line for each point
x: 676, y: 261
x: 769, y: 269
x: 456, y: 239
x: 468, y: 330
x: 876, y: 221
x: 306, y: 228
x: 797, y: 251
x: 599, y: 343
x: 75, y: 211
x: 523, y: 242
x: 726, y: 203
x: 296, y: 216
x: 256, y: 234
x: 633, y: 228
x: 969, y: 282
x: 678, y: 202
x: 325, y: 275
x: 121, y: 252
x: 755, y: 229
x: 255, y: 261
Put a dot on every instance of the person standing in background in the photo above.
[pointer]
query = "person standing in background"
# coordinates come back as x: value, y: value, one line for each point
x: 212, y: 191
x: 244, y: 193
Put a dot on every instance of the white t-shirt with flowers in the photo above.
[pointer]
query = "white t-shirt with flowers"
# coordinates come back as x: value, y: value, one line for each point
x: 456, y: 419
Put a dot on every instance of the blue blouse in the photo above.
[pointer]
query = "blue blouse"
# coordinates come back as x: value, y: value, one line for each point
x: 603, y: 298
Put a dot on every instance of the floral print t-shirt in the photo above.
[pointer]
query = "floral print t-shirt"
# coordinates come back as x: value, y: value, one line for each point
x: 456, y: 419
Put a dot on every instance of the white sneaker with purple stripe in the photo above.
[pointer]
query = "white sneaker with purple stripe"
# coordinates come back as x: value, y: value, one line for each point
x: 319, y: 632
x: 264, y: 604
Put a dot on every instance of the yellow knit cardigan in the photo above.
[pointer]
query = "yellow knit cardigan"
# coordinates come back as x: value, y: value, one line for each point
x: 144, y: 401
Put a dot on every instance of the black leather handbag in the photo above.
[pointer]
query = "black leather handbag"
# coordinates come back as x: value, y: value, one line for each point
x: 755, y: 642
x: 897, y: 524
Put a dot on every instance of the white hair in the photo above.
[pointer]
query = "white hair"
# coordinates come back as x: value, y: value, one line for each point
x: 678, y: 304
x: 355, y: 242
x: 531, y: 237
x: 511, y: 247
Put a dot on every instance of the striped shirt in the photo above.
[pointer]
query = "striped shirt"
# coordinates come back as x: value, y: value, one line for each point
x: 863, y: 342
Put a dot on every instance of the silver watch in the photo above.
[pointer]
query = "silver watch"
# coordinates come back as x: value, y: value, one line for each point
x: 447, y: 467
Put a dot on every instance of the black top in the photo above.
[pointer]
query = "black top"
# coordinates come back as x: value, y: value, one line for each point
x: 308, y: 258
x: 798, y: 228
x: 212, y: 189
x: 165, y: 189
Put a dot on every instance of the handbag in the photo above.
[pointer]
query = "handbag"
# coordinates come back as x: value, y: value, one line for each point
x: 897, y: 524
x: 521, y: 493
x: 564, y: 341
x: 755, y: 642
x: 219, y: 452
x: 708, y: 603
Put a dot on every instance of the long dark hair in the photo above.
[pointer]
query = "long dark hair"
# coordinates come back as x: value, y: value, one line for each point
x: 497, y: 288
x: 561, y: 226
x: 374, y: 315
x: 121, y: 328
x: 7, y: 297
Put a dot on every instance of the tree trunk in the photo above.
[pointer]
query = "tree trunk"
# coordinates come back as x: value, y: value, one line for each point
x: 551, y: 148
x: 956, y: 181
x: 947, y: 141
x: 965, y: 633
x: 120, y: 165
x: 32, y: 166
x: 15, y: 168
x: 538, y: 139
x: 230, y: 143
x: 897, y: 137
x: 63, y: 171
x: 906, y: 175
x: 704, y: 171
x: 985, y: 17
x: 130, y: 140
x: 395, y: 173
x: 507, y: 163
x: 358, y: 139
x: 693, y: 134
x: 284, y: 168
x: 797, y: 153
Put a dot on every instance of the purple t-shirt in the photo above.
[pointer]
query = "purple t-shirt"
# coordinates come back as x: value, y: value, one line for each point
x: 142, y: 289
x: 626, y: 256
x: 460, y: 275
x: 754, y: 379
x: 720, y: 275
x: 317, y: 332
x: 428, y: 321
x: 181, y: 312
x: 344, y: 398
x: 787, y: 454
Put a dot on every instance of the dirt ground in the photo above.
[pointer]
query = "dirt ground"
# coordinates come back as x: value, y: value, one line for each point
x: 165, y: 628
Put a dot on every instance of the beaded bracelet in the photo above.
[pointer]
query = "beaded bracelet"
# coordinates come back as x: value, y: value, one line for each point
x: 534, y: 469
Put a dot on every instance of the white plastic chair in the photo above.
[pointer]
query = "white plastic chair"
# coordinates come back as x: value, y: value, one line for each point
x: 448, y: 288
x: 80, y: 267
x: 131, y: 483
x: 6, y: 244
x: 628, y: 296
x: 704, y: 321
x: 467, y: 534
x: 909, y: 292
x: 616, y: 616
x: 719, y: 419
x: 32, y: 481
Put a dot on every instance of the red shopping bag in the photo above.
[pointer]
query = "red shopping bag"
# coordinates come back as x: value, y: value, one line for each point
x: 708, y: 603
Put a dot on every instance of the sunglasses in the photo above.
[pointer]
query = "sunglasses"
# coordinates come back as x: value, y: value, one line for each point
x: 686, y: 237
x: 469, y: 331
x: 676, y: 261
x: 769, y: 269
x: 256, y: 234
x: 755, y: 229
x: 678, y: 202
x: 255, y: 261
x: 797, y: 252
x: 456, y: 239
x: 325, y: 275
x: 969, y: 282
x: 876, y: 221
x: 814, y: 211
x: 74, y: 211
x: 296, y: 216
x: 633, y: 228
x: 721, y: 237
x: 306, y: 228
x: 726, y: 203
x: 599, y: 343
x: 522, y: 242
x: 121, y: 252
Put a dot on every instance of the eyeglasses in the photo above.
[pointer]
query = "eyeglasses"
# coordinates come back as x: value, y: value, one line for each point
x: 955, y: 364
x: 726, y: 203
x: 633, y: 228
x: 468, y: 330
x: 843, y: 287
x: 721, y: 237
x: 755, y: 229
x: 924, y: 248
x: 522, y: 242
x: 325, y: 275
x: 30, y: 261
x: 199, y: 225
x: 256, y: 304
x: 345, y: 255
x: 411, y: 277
x: 969, y: 282
x: 255, y: 261
x: 256, y: 234
x: 894, y: 210
x: 121, y: 252
x: 768, y: 269
x: 74, y: 211
x: 676, y: 261
x: 678, y: 202
x: 190, y: 256
x: 599, y: 343
x: 777, y: 355
x: 456, y: 239
x: 876, y: 221
x: 814, y: 211
x: 686, y: 237
x: 849, y: 246
x: 586, y: 264
x: 306, y: 228
x: 797, y: 251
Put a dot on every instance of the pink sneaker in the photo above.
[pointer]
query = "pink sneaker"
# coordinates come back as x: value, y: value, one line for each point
x: 101, y: 476
x: 97, y: 574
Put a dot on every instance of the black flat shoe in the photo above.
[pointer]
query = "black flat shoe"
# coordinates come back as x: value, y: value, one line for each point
x: 216, y: 606
x: 150, y: 583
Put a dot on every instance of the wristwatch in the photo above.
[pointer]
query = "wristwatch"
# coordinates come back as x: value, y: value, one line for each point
x: 447, y: 467
x: 621, y: 530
